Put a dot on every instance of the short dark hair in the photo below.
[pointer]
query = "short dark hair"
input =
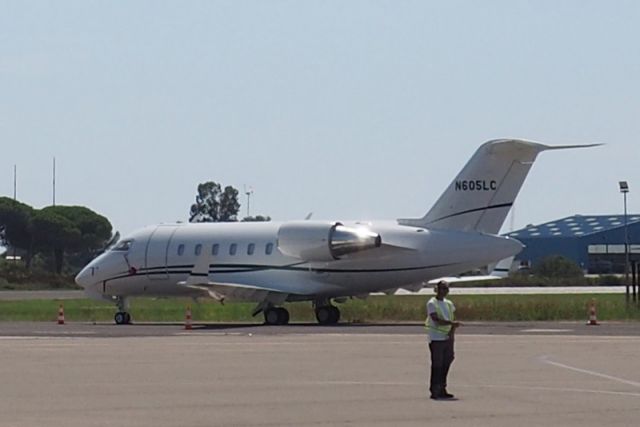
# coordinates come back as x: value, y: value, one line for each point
x: 442, y: 283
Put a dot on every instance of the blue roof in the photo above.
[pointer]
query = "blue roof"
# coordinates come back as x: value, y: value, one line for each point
x: 574, y: 226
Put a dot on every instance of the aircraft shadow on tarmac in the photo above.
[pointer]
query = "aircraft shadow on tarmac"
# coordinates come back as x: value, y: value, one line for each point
x: 298, y: 325
x: 223, y: 326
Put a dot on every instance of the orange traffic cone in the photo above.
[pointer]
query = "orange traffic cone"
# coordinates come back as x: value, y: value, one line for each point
x: 593, y: 320
x: 61, y: 315
x: 187, y: 318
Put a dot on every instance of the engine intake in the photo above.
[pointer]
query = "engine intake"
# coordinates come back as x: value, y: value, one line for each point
x: 324, y: 241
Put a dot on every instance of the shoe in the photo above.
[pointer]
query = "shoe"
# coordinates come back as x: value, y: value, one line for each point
x: 445, y: 394
x: 435, y: 396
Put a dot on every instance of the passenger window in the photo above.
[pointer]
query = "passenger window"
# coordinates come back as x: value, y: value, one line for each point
x: 180, y: 250
x: 198, y: 249
x: 251, y: 248
x: 233, y: 249
x: 268, y: 249
x: 214, y: 249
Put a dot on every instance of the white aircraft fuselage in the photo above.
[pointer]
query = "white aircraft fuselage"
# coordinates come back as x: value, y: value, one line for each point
x: 271, y: 263
x: 158, y: 258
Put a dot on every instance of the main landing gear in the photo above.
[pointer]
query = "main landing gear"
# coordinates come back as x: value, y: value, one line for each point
x: 276, y: 316
x: 122, y: 317
x: 326, y: 314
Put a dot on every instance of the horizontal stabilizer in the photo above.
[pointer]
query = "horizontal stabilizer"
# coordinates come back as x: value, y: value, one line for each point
x: 566, y: 147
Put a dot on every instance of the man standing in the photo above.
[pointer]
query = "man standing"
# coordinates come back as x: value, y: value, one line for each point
x: 441, y: 326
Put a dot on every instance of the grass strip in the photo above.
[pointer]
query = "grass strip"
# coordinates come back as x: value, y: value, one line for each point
x: 373, y: 309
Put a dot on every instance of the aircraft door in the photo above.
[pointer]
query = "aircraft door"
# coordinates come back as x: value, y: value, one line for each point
x: 156, y: 254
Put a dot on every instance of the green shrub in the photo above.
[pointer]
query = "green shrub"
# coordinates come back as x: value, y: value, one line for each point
x: 557, y: 266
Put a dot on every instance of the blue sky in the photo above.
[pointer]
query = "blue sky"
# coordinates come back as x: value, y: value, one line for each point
x: 359, y: 109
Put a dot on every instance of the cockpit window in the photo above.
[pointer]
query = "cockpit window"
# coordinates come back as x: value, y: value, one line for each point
x: 123, y: 245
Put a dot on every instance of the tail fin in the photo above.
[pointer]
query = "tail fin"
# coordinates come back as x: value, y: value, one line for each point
x: 480, y: 197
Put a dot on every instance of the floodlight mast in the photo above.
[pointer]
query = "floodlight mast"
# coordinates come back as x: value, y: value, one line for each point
x: 624, y: 189
x: 248, y: 193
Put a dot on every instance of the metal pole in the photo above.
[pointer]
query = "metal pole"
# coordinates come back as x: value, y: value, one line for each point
x: 626, y: 245
x: 634, y: 279
x: 248, y: 193
x: 15, y: 194
x: 54, y: 181
x: 637, y: 280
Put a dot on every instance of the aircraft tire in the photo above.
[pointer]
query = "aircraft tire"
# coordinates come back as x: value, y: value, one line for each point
x: 122, y: 318
x: 272, y: 316
x: 335, y: 314
x: 283, y: 316
x: 327, y: 315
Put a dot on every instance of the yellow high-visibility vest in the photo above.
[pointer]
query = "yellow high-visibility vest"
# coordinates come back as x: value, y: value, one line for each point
x: 430, y: 324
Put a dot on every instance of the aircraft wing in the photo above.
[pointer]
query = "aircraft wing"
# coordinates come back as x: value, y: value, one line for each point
x: 498, y: 271
x: 413, y: 287
x: 221, y: 291
x: 199, y: 279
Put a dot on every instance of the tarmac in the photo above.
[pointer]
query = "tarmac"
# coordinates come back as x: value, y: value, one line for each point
x: 505, y: 374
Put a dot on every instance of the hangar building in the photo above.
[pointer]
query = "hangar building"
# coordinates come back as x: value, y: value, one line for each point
x: 594, y: 242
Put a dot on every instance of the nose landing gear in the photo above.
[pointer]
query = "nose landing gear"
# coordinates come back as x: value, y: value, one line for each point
x: 122, y: 317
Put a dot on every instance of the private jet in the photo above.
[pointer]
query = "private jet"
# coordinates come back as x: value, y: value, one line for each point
x: 324, y: 262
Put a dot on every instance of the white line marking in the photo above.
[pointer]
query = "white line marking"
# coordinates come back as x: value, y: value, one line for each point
x: 368, y: 383
x: 545, y: 359
x: 558, y: 389
x: 547, y: 330
x: 18, y: 338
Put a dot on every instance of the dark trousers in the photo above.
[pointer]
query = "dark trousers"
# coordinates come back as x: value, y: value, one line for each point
x: 441, y: 358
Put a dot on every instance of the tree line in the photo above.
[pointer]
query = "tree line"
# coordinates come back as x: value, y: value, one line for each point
x: 53, y: 233
x: 65, y: 238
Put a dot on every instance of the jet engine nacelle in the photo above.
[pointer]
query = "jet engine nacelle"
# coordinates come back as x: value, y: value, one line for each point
x: 324, y: 241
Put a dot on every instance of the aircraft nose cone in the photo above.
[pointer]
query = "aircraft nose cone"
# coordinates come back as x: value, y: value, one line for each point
x: 83, y: 278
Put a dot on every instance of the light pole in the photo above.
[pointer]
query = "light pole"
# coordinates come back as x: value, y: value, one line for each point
x: 624, y: 189
x: 248, y: 193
